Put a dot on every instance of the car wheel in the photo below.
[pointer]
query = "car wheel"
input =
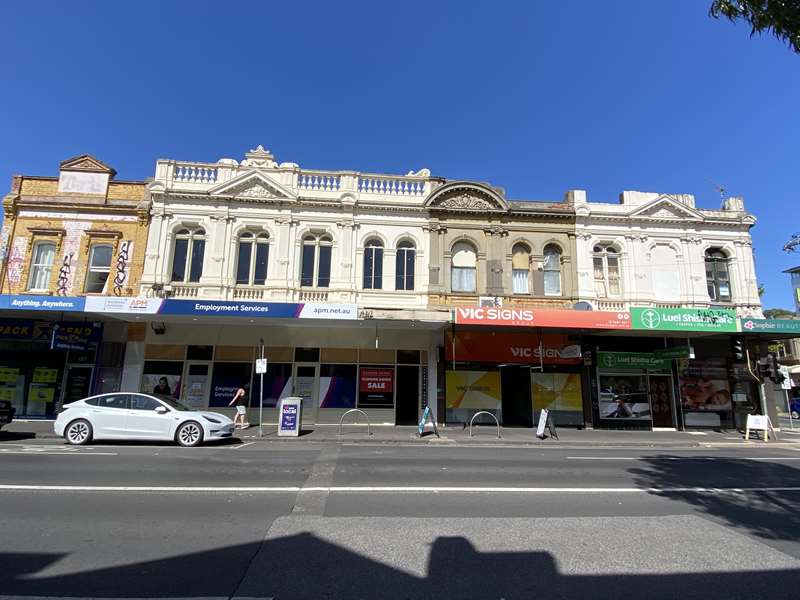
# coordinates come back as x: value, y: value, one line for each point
x: 78, y: 432
x: 189, y: 434
x: 795, y: 414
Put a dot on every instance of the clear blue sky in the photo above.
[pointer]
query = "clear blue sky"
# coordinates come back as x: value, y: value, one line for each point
x: 538, y: 97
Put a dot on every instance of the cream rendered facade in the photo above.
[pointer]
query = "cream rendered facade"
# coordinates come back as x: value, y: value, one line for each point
x: 661, y: 241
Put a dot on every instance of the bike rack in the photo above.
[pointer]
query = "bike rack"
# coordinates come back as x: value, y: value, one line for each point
x: 484, y: 412
x: 355, y: 410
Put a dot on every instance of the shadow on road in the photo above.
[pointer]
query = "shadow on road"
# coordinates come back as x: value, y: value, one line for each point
x: 304, y: 566
x: 769, y: 514
x: 15, y: 436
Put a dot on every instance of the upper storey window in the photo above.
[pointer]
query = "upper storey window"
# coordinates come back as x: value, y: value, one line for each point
x: 520, y: 268
x: 606, y: 271
x: 373, y: 265
x: 315, y: 263
x: 404, y: 266
x: 463, y: 268
x: 44, y: 253
x: 253, y: 259
x: 718, y: 278
x: 99, y: 268
x: 187, y: 257
x: 552, y: 271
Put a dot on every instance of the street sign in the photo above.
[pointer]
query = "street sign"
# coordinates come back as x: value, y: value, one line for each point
x: 261, y: 365
x: 786, y: 383
x: 758, y: 423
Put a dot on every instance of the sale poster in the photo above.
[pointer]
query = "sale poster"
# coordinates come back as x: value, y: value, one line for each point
x: 376, y: 387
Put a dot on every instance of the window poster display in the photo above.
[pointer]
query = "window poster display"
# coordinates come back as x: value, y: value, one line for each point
x: 162, y: 378
x: 376, y: 387
x: 468, y: 391
x: 705, y: 393
x: 39, y: 396
x: 8, y: 383
x: 561, y: 394
x: 277, y: 384
x: 337, y: 386
x: 624, y: 397
x: 226, y: 379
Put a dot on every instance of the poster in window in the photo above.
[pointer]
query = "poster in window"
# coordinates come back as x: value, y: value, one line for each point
x: 227, y: 378
x: 624, y: 397
x: 376, y: 387
x: 473, y: 389
x: 159, y: 384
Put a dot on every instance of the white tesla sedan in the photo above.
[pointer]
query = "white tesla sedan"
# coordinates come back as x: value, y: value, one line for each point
x: 130, y: 416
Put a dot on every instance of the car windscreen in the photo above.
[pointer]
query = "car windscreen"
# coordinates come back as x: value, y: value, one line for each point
x: 174, y: 404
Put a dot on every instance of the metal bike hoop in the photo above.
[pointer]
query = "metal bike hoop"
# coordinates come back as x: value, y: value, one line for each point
x: 355, y: 410
x: 484, y: 412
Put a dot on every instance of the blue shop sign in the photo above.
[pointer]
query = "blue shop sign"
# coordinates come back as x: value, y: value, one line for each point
x: 20, y: 330
x: 53, y: 303
x: 75, y: 336
x: 231, y: 309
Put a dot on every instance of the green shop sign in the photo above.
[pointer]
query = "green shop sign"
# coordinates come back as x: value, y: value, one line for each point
x: 684, y: 319
x: 674, y: 352
x: 771, y: 326
x: 631, y: 360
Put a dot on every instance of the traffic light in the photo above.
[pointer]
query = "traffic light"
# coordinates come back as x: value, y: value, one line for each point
x: 737, y: 349
x: 763, y: 368
x: 773, y: 371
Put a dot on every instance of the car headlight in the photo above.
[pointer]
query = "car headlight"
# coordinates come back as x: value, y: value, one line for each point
x: 212, y: 420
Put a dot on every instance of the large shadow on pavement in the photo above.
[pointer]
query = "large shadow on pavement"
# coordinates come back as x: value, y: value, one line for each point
x: 306, y: 567
x: 763, y: 509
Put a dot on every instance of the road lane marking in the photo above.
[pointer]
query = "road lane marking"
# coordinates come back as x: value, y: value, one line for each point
x: 658, y: 458
x: 58, y: 453
x: 242, y: 445
x: 399, y: 489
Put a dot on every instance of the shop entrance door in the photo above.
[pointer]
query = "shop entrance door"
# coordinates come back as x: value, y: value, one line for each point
x: 78, y: 383
x: 305, y: 384
x: 660, y: 390
x: 407, y: 395
x: 194, y: 392
x: 517, y: 403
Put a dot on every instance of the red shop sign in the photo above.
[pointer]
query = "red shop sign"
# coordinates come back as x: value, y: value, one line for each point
x: 529, y: 317
x: 376, y: 381
x: 511, y: 347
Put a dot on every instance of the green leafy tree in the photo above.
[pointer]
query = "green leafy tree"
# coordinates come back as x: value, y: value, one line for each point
x: 779, y: 17
x: 778, y: 313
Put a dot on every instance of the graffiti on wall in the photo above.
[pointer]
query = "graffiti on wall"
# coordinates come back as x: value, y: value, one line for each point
x: 64, y: 276
x: 122, y: 266
x: 73, y: 234
x: 16, y: 259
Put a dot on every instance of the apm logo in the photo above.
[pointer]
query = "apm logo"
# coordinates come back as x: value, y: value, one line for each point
x: 651, y: 319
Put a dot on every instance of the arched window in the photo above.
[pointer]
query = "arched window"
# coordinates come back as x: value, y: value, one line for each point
x: 44, y: 253
x: 463, y: 268
x: 187, y: 257
x: 552, y: 271
x: 718, y: 279
x: 373, y: 265
x: 606, y: 271
x: 99, y: 268
x: 404, y: 266
x: 253, y: 259
x: 520, y: 268
x: 315, y: 263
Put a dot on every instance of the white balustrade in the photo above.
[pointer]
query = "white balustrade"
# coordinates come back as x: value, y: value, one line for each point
x: 390, y: 186
x: 319, y: 182
x: 193, y: 173
x: 248, y: 294
x: 313, y: 296
x: 179, y: 291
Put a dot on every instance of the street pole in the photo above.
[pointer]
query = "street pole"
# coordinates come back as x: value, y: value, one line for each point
x: 789, y: 407
x: 261, y: 393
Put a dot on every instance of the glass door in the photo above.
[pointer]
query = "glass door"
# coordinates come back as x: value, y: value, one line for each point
x: 196, y: 384
x: 305, y: 384
x: 660, y: 390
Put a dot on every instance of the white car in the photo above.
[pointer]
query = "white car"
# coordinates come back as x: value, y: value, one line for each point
x: 130, y: 416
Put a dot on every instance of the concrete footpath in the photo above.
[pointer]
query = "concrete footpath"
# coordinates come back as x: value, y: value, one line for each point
x: 483, y: 435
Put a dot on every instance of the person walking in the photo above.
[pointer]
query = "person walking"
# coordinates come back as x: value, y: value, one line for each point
x: 240, y: 401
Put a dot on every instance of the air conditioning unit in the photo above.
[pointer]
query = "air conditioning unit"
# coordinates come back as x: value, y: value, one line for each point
x: 490, y: 302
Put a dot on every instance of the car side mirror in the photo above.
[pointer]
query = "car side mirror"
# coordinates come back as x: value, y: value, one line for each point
x: 162, y: 410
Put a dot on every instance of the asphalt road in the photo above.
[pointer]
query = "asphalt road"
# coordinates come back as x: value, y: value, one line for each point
x: 304, y: 520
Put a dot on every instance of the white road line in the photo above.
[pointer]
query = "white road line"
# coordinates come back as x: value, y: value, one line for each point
x: 242, y: 445
x: 398, y: 489
x: 58, y: 453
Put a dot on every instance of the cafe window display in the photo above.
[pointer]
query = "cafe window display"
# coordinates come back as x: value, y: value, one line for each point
x: 705, y: 393
x: 624, y: 397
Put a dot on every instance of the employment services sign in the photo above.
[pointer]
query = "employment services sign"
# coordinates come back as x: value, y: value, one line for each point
x: 771, y: 325
x: 275, y: 310
x: 684, y: 319
x: 527, y: 317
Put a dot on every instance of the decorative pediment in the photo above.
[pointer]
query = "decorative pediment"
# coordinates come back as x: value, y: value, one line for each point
x: 87, y: 163
x: 462, y: 196
x: 253, y: 186
x: 667, y: 208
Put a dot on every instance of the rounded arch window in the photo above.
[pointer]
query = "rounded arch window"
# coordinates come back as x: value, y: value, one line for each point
x: 520, y: 268
x: 373, y: 264
x: 188, y: 254
x: 718, y: 281
x: 404, y: 265
x: 463, y: 267
x: 315, y: 260
x: 252, y: 260
x: 551, y: 265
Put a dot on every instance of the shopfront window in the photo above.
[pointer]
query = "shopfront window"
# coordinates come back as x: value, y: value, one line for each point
x: 706, y: 398
x: 376, y: 387
x: 44, y: 254
x: 624, y: 397
x: 560, y: 393
x: 162, y: 378
x: 99, y: 268
x: 337, y: 386
x: 277, y: 384
x: 226, y: 379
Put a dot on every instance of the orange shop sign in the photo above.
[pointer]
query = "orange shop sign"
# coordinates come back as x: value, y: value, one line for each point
x: 511, y: 347
x: 529, y: 317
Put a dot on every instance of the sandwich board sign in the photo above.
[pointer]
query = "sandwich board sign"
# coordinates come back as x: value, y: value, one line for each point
x: 759, y: 423
x: 545, y: 421
x: 289, y: 416
x: 427, y: 416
